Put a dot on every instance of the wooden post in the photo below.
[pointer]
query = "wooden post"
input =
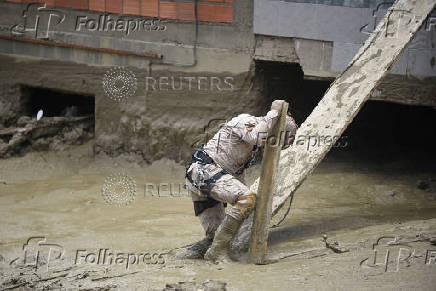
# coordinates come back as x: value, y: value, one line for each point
x: 262, y: 214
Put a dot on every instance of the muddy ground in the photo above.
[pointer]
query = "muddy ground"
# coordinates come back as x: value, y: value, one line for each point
x: 371, y: 206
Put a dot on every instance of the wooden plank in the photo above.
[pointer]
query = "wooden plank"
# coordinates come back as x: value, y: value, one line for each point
x: 268, y: 176
x: 346, y: 96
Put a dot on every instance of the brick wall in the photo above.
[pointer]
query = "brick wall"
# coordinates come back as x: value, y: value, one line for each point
x: 208, y: 10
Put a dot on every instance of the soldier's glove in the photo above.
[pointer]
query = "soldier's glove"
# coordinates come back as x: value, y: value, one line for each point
x: 277, y: 105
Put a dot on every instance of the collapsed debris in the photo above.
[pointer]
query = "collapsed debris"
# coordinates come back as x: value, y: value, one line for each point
x: 48, y: 133
x: 334, y: 246
x: 210, y: 285
x: 428, y: 185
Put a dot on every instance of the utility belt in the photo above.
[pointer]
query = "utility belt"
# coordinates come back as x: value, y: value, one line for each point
x: 203, y: 185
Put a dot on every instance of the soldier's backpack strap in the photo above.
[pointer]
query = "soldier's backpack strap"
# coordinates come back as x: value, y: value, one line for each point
x: 204, y: 186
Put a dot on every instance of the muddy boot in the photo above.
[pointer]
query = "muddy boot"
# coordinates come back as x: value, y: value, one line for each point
x: 219, y: 250
x: 196, y: 251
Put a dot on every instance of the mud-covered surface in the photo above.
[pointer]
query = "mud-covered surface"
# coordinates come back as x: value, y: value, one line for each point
x: 52, y: 201
x: 49, y: 133
x: 154, y: 123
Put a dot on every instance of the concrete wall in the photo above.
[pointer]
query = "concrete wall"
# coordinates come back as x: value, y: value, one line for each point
x: 339, y: 29
x: 166, y: 122
x: 153, y: 123
x: 344, y: 3
x: 326, y: 34
x: 173, y: 39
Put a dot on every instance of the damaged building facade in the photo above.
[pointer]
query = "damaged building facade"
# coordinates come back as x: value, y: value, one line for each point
x: 152, y: 78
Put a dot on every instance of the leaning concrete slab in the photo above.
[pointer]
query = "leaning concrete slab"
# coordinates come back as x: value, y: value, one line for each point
x: 348, y: 93
x: 346, y: 96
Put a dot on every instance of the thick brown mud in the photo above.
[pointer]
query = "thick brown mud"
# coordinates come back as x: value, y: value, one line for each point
x: 58, y: 196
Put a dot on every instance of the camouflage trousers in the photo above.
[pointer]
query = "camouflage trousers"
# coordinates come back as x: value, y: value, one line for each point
x: 227, y: 189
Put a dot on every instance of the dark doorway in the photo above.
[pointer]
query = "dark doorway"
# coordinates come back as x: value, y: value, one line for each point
x: 55, y: 103
x: 67, y: 120
x: 381, y: 131
x: 385, y: 132
x: 286, y: 81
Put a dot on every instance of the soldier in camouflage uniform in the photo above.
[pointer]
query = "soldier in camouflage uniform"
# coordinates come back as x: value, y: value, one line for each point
x: 215, y: 178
